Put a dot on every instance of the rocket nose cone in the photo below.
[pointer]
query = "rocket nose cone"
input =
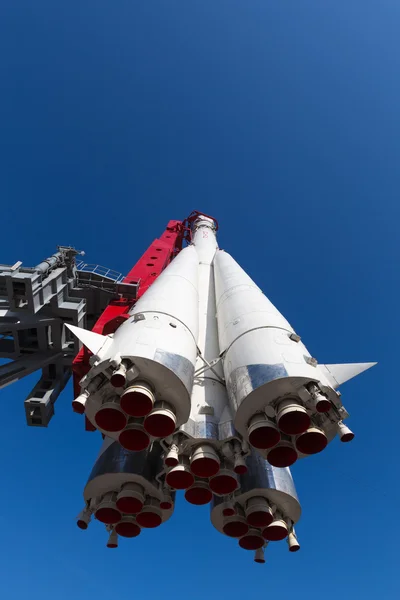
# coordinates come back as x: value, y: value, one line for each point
x: 110, y: 419
x: 127, y: 529
x: 311, y: 441
x: 134, y: 440
x: 282, y: 456
x: 251, y: 541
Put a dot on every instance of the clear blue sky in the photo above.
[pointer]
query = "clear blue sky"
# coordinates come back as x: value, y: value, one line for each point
x: 281, y: 119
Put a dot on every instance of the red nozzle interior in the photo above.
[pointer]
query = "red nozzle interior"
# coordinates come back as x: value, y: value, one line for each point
x: 110, y: 419
x: 134, y: 440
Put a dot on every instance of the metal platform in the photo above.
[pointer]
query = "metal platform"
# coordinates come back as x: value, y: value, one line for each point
x: 34, y: 305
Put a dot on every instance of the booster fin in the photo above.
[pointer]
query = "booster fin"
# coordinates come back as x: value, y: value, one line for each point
x: 340, y: 373
x: 93, y: 341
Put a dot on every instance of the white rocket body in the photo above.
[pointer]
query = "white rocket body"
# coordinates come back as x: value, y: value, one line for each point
x: 159, y: 340
x: 208, y: 389
x: 210, y: 416
x: 202, y: 330
x: 264, y: 359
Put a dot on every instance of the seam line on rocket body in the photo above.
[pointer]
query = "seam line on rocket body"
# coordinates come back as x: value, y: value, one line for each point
x: 177, y: 276
x: 159, y: 312
x: 212, y: 379
x: 249, y: 331
x: 245, y: 287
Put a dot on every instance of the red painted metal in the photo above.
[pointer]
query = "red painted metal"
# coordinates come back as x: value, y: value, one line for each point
x: 156, y: 258
x: 146, y: 270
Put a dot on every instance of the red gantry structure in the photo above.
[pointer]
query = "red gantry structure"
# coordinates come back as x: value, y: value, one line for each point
x: 194, y: 379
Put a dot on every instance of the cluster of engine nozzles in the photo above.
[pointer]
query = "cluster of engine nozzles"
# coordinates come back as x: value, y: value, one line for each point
x: 127, y: 512
x: 293, y: 431
x: 135, y: 414
x: 257, y: 524
x: 203, y: 473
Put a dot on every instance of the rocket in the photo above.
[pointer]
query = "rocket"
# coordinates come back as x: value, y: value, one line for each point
x: 205, y: 387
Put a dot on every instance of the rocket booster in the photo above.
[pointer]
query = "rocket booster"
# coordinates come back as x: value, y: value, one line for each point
x: 207, y: 388
x: 284, y: 403
x: 142, y: 375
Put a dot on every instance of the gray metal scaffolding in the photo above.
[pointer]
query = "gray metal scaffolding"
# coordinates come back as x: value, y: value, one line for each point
x: 35, y: 303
